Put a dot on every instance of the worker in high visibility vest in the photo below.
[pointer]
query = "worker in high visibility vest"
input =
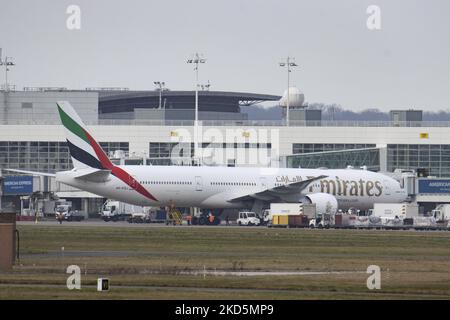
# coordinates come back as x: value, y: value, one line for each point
x: 211, y: 218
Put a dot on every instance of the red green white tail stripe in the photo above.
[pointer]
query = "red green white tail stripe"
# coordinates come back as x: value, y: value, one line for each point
x: 86, y: 152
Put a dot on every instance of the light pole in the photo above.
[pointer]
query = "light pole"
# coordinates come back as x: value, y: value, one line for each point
x: 160, y: 86
x: 7, y: 63
x: 290, y: 62
x: 197, y: 59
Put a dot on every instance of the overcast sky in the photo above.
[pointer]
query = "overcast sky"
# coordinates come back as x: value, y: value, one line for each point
x: 132, y: 43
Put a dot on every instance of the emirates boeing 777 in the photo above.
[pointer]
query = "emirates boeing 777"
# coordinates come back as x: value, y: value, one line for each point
x: 215, y: 187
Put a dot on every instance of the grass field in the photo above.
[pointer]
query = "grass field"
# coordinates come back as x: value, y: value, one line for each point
x: 156, y: 263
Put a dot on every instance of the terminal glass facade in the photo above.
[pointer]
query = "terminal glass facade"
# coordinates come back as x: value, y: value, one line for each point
x: 110, y: 147
x: 435, y: 158
x: 170, y: 153
x: 165, y: 149
x: 320, y: 147
x: 369, y: 157
x: 43, y: 156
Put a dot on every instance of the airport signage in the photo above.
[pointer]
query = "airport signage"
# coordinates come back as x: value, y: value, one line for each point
x: 434, y: 186
x: 17, y: 185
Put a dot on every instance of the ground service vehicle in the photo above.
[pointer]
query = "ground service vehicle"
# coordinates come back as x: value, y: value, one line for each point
x: 62, y: 209
x: 247, y: 218
x: 322, y: 220
x: 116, y: 211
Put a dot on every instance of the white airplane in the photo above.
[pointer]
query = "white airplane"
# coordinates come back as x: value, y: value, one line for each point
x: 215, y: 187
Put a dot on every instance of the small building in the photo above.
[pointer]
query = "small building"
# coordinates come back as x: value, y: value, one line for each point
x: 403, y: 116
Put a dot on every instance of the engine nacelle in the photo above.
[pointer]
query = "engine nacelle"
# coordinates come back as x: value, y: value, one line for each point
x: 325, y: 203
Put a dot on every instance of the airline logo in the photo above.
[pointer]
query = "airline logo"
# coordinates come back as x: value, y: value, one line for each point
x: 84, y: 149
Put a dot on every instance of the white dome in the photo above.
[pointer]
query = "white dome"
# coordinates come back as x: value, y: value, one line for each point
x: 296, y: 98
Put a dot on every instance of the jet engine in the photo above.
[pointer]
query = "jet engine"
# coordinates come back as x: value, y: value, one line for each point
x: 325, y: 203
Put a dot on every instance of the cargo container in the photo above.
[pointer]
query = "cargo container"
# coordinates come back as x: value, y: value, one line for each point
x: 280, y: 220
x: 349, y: 220
x: 297, y: 221
x: 427, y: 222
x: 392, y: 210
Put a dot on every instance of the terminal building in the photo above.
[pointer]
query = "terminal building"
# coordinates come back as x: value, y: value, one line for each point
x: 147, y: 128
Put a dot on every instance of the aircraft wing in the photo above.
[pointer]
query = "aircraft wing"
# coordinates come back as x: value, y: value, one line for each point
x: 45, y: 174
x: 277, y: 193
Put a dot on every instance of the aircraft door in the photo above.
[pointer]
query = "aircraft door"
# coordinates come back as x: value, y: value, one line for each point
x: 263, y: 182
x: 198, y: 183
x: 387, y: 188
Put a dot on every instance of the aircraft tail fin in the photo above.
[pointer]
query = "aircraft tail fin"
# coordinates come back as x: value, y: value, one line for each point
x: 84, y: 150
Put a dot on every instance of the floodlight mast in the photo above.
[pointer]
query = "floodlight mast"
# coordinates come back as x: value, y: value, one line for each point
x: 160, y: 85
x: 197, y: 59
x: 290, y: 62
x: 7, y: 63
